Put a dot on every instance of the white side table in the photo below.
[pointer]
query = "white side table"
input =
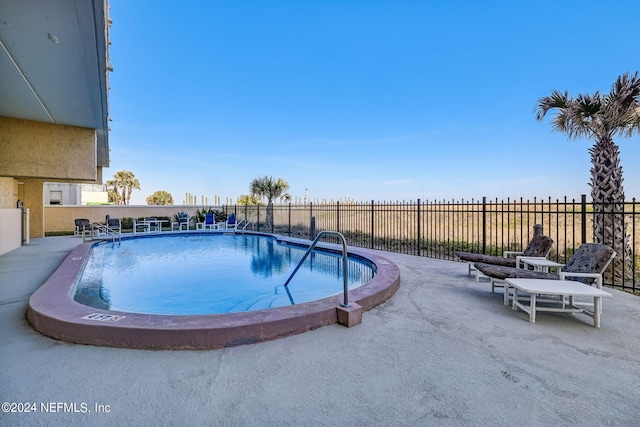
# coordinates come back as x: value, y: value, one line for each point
x: 540, y: 264
x: 561, y: 288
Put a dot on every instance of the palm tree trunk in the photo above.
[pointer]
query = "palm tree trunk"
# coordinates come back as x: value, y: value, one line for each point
x: 269, y: 219
x: 608, y: 206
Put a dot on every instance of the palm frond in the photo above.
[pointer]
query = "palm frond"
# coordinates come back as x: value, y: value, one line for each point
x: 557, y: 100
x: 623, y: 113
x: 626, y: 90
x: 589, y: 105
x: 585, y: 116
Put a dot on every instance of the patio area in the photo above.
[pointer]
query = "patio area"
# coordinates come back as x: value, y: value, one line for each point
x: 443, y: 351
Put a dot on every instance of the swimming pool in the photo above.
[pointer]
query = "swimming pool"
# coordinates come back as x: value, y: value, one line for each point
x: 53, y: 311
x: 210, y: 274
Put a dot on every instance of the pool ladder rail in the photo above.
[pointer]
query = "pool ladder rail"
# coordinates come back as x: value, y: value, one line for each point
x: 237, y: 228
x: 101, y: 228
x: 246, y: 225
x: 345, y: 264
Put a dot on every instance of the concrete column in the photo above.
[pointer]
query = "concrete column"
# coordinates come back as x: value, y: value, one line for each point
x: 33, y: 200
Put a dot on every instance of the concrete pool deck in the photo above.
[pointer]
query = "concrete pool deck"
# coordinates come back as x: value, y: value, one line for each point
x: 443, y: 351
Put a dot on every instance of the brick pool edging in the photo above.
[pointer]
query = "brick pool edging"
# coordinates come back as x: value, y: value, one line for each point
x: 53, y: 312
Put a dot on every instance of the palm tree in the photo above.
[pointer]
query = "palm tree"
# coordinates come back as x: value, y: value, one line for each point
x: 113, y: 194
x: 601, y: 117
x: 126, y: 182
x: 247, y: 200
x: 132, y: 184
x: 269, y: 188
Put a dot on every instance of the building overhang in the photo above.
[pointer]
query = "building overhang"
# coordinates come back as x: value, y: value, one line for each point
x: 54, y: 64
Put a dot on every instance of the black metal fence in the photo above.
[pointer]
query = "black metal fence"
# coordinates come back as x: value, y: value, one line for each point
x: 438, y: 228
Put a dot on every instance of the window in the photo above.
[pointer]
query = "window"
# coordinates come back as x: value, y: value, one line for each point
x: 55, y: 197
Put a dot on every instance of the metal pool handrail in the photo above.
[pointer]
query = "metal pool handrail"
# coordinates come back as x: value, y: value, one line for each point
x: 243, y: 229
x: 345, y: 265
x: 106, y: 230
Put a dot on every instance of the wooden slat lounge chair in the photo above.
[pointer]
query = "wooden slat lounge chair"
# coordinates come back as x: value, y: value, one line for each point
x: 539, y: 247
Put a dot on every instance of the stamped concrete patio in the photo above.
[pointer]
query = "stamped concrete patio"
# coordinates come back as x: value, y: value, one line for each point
x: 443, y: 351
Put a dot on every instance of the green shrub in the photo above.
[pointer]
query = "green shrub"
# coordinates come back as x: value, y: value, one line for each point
x: 127, y: 223
x: 181, y: 217
x: 219, y: 215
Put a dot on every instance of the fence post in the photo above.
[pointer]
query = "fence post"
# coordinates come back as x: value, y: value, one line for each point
x: 484, y: 225
x: 633, y: 251
x: 258, y: 217
x: 418, y: 227
x: 372, y: 220
x: 312, y: 222
x: 289, y: 229
x: 338, y: 216
x: 583, y: 210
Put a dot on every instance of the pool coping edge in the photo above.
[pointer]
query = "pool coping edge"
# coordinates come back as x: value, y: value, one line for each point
x: 53, y: 312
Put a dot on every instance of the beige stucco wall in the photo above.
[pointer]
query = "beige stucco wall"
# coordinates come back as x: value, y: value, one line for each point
x: 34, y: 152
x: 8, y: 193
x: 10, y: 230
x: 61, y: 218
x: 42, y: 150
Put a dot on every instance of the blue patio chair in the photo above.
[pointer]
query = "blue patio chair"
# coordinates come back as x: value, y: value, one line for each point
x: 209, y: 222
x: 231, y: 222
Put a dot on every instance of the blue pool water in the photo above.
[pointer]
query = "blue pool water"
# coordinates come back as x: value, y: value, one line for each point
x: 209, y: 274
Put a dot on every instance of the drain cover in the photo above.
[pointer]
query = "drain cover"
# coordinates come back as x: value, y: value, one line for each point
x: 103, y: 317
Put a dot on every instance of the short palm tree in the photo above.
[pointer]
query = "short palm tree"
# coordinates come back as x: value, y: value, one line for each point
x: 269, y: 188
x: 247, y: 200
x: 602, y: 117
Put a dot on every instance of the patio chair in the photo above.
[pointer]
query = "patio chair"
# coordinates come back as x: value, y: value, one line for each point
x: 153, y: 224
x: 114, y: 224
x: 539, y: 247
x: 209, y: 222
x: 83, y: 224
x: 140, y: 225
x: 231, y: 222
x: 181, y: 221
x: 586, y: 265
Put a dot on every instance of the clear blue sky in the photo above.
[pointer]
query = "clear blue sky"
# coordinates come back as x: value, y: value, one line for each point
x: 368, y: 100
